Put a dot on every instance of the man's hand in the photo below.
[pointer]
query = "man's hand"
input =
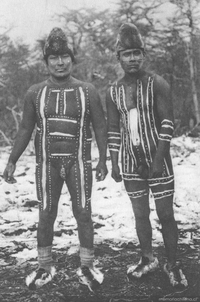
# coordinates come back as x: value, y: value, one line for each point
x: 101, y: 171
x: 116, y: 173
x: 8, y: 173
x: 156, y: 168
x: 143, y: 171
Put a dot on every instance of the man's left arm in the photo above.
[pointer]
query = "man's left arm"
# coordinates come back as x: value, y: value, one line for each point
x: 100, y: 130
x: 164, y: 110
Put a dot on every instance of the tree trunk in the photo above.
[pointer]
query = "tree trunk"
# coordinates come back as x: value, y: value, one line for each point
x: 190, y: 16
x: 193, y: 82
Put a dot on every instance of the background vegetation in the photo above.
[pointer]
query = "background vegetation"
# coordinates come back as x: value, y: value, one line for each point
x: 173, y: 51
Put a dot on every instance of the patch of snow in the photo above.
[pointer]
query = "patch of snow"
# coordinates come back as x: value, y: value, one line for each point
x: 111, y: 208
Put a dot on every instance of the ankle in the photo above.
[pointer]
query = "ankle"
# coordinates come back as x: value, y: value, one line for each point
x: 45, y: 258
x: 86, y: 257
x: 47, y: 268
x: 171, y: 264
x: 149, y: 256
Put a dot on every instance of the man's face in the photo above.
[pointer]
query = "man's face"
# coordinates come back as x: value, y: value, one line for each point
x: 131, y: 60
x: 59, y: 66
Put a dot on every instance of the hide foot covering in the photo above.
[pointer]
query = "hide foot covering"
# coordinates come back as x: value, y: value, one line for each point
x: 39, y: 278
x: 92, y: 277
x: 175, y: 275
x: 142, y: 268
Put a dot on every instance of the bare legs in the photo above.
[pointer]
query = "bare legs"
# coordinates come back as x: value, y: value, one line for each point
x: 143, y: 226
x: 164, y: 208
x: 82, y: 214
x: 165, y: 214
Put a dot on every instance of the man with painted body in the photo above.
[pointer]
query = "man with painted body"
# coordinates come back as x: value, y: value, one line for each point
x: 62, y: 108
x: 141, y: 100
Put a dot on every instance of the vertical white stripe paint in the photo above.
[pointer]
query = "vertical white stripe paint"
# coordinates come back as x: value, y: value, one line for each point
x: 141, y: 117
x: 57, y: 103
x: 64, y: 110
x: 44, y: 156
x: 117, y: 96
x: 148, y: 112
x: 152, y: 110
x: 145, y: 127
x: 133, y: 126
x: 80, y: 155
x: 111, y: 94
x: 122, y: 93
x: 167, y: 168
x: 126, y: 122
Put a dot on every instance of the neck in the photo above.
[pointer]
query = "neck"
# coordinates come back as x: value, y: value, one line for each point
x: 129, y: 77
x: 60, y: 81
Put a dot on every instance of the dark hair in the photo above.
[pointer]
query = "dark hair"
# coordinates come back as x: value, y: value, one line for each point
x: 68, y: 51
x: 118, y: 52
x: 57, y: 44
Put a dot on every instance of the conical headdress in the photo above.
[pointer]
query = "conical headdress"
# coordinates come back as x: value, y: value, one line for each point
x: 129, y: 38
x: 57, y: 44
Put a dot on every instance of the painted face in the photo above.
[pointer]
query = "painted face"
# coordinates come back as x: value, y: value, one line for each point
x: 131, y: 60
x: 59, y: 66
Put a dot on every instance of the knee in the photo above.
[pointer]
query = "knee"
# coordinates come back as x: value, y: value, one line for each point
x: 141, y: 217
x: 47, y: 217
x: 166, y: 216
x: 141, y: 213
x: 141, y: 207
x: 83, y: 216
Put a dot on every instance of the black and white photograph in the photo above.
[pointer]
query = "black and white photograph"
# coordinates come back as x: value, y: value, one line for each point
x: 99, y: 150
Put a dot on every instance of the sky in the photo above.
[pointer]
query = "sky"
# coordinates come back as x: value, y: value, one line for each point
x: 32, y: 19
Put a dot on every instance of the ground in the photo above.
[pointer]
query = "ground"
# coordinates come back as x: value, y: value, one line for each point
x: 116, y: 245
x: 115, y: 288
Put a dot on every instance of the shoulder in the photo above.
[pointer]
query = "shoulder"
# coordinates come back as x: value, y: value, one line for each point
x: 159, y: 81
x: 90, y: 87
x: 85, y: 85
x: 161, y: 89
x: 121, y: 81
x: 34, y: 89
x: 160, y: 85
x: 112, y: 87
x: 90, y: 90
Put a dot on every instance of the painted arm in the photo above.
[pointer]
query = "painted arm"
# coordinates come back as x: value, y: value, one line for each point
x: 114, y: 136
x: 164, y: 111
x: 23, y: 137
x: 99, y: 127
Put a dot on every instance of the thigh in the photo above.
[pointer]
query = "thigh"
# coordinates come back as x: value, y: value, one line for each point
x: 49, y: 185
x: 79, y: 183
x: 138, y: 192
x: 163, y: 192
x: 162, y: 187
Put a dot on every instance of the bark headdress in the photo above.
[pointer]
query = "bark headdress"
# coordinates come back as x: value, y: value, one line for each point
x: 57, y: 44
x: 129, y: 38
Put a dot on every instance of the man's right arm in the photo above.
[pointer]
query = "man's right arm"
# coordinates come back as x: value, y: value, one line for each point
x: 114, y: 137
x: 23, y: 137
